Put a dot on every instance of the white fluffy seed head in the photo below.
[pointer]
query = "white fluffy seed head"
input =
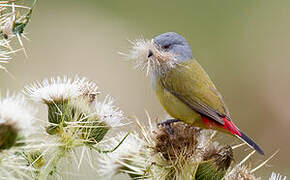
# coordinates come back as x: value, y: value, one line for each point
x: 128, y: 158
x: 160, y: 62
x: 61, y: 89
x: 15, y: 110
x: 109, y: 113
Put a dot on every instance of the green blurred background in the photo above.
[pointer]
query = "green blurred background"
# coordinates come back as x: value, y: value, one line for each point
x: 243, y: 45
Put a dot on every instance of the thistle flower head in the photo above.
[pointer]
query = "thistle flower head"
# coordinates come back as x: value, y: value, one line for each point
x: 16, y: 122
x: 129, y: 158
x: 80, y: 127
x: 109, y: 113
x: 14, y: 110
x: 104, y: 116
x: 58, y: 94
x: 61, y: 89
x: 160, y: 62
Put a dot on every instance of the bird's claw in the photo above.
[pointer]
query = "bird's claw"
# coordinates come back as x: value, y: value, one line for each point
x: 168, y: 124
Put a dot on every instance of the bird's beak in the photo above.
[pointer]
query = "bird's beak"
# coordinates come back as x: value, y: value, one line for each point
x: 150, y: 53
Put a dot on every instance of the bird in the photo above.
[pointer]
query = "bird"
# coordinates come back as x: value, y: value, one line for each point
x: 186, y: 91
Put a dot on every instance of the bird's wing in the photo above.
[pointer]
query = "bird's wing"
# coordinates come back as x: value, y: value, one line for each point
x: 192, y: 85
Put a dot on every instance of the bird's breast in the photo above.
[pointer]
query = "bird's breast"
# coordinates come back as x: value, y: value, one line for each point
x: 174, y: 107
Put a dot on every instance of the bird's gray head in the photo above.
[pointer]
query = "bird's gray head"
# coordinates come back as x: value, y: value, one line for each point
x: 176, y: 44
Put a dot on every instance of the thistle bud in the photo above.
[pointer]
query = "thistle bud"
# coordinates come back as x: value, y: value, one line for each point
x: 215, y: 164
x: 105, y: 117
x: 94, y: 131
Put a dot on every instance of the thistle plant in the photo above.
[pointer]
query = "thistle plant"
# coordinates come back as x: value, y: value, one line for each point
x: 77, y: 126
x: 76, y: 119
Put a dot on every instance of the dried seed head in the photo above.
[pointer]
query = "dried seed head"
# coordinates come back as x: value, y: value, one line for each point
x: 181, y: 143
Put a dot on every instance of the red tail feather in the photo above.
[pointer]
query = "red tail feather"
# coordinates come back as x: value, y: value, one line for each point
x: 231, y: 127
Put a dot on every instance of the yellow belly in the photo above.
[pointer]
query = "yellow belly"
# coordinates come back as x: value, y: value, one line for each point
x: 176, y: 108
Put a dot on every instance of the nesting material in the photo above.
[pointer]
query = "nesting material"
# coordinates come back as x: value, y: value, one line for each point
x: 160, y: 61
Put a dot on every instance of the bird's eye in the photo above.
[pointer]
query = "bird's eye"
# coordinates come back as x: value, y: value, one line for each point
x: 166, y: 47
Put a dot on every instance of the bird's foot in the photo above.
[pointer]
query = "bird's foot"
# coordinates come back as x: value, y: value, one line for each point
x: 168, y: 124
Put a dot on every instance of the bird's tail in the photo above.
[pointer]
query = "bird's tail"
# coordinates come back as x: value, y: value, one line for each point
x: 230, y: 126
